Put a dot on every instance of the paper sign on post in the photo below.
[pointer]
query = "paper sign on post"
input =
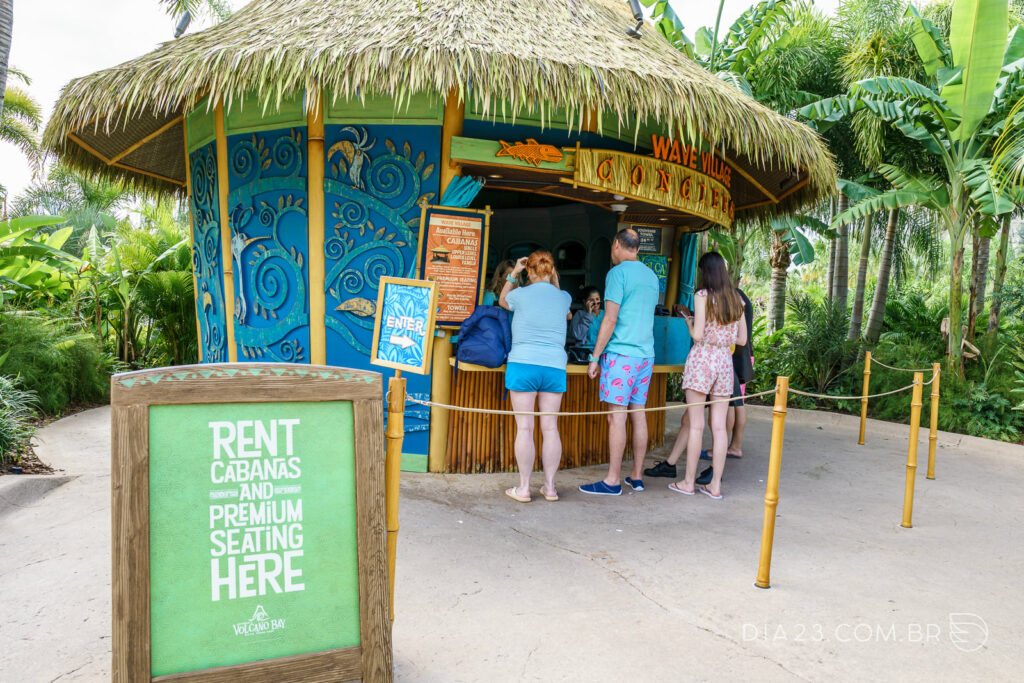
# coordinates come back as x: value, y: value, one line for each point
x: 403, y: 331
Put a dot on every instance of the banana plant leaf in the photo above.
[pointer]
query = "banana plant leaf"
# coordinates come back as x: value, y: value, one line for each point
x: 972, y: 26
x: 927, y: 38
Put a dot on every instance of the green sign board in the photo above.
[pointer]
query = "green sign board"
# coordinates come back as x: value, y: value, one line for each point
x: 253, y: 526
x: 248, y: 535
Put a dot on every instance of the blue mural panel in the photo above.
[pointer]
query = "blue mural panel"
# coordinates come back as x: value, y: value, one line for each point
x: 267, y: 204
x: 375, y: 176
x: 206, y: 255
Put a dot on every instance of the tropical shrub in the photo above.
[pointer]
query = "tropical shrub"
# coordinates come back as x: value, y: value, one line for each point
x: 16, y: 413
x: 55, y: 359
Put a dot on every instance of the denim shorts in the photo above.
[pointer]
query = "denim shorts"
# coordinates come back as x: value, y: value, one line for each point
x: 529, y: 377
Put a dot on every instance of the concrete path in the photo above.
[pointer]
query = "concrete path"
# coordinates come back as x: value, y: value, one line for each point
x: 647, y: 586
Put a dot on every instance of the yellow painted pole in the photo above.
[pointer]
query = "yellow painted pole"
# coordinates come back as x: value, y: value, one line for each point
x: 317, y: 262
x: 192, y: 242
x: 915, y: 424
x: 864, y: 399
x: 441, y: 371
x: 933, y: 429
x: 771, y: 491
x: 393, y: 472
x: 225, y: 232
x: 675, y: 268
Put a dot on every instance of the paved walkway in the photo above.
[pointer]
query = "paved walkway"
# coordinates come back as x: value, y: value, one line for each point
x: 648, y: 586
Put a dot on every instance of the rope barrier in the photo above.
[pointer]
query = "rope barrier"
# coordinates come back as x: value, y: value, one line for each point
x: 679, y: 406
x: 853, y: 398
x: 875, y: 360
x: 592, y: 413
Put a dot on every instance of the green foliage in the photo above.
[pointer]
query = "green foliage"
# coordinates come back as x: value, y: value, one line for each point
x: 54, y: 358
x: 16, y: 413
x: 811, y: 349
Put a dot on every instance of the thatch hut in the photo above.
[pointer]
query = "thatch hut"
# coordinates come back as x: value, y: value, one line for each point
x: 306, y: 132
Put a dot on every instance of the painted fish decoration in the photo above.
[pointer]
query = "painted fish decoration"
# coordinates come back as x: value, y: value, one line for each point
x: 531, y: 151
x: 361, y: 307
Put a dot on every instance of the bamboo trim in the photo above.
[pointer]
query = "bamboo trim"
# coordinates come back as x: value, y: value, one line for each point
x: 155, y: 134
x: 795, y: 188
x: 315, y: 226
x: 675, y: 209
x: 498, y: 165
x: 192, y: 242
x: 441, y: 375
x: 149, y: 173
x: 554, y: 194
x: 750, y: 179
x: 225, y: 232
x: 754, y: 205
x: 84, y: 145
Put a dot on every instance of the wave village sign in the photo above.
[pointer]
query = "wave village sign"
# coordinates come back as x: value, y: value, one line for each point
x: 248, y: 525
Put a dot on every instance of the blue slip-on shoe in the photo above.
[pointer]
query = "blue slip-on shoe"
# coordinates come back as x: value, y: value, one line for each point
x: 599, y: 488
x: 637, y: 484
x: 705, y: 455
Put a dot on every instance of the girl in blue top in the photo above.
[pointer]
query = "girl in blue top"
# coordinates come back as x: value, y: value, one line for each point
x: 536, y: 365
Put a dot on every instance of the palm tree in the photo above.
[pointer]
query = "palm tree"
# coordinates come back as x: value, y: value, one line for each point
x: 20, y: 119
x: 218, y: 9
x: 6, y: 25
x: 963, y: 107
x: 85, y: 202
x: 879, y: 43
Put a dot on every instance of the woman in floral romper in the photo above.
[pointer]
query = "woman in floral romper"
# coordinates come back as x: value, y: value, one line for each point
x: 716, y: 325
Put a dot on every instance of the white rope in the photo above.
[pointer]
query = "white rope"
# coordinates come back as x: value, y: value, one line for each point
x: 873, y: 395
x: 875, y: 360
x: 488, y: 411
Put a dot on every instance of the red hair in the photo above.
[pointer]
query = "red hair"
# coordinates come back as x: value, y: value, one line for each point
x: 541, y: 265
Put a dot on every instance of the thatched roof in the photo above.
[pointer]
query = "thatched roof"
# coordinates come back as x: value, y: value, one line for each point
x: 566, y: 54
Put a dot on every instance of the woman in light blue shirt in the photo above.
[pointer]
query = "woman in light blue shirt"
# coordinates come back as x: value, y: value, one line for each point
x: 535, y: 372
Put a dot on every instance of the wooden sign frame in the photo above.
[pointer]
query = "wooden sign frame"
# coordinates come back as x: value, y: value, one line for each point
x: 425, y: 211
x: 132, y: 394
x: 424, y: 368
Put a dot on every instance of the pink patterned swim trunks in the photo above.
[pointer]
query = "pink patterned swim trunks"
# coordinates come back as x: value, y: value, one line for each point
x: 625, y: 380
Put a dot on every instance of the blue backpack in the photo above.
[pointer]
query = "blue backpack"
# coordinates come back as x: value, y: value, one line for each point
x: 485, y: 338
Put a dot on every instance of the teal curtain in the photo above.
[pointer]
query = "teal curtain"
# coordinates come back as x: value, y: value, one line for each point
x: 689, y: 246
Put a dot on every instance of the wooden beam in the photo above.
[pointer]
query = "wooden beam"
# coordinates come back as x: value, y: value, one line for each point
x: 149, y: 173
x: 796, y: 187
x: 155, y: 134
x: 81, y: 143
x: 750, y: 179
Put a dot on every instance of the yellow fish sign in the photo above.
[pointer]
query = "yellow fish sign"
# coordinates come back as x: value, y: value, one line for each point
x: 531, y: 151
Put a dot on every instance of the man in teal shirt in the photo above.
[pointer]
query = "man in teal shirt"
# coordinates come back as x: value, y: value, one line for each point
x: 624, y: 356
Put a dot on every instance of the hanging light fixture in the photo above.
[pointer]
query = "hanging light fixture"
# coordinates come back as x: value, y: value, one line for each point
x: 183, y: 23
x: 638, y: 14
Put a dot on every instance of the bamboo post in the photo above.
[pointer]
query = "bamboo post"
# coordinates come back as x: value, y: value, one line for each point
x: 393, y: 472
x: 933, y: 429
x: 771, y: 492
x: 864, y: 397
x: 915, y: 424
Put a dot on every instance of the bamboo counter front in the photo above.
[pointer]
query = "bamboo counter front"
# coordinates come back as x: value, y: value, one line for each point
x: 483, y: 442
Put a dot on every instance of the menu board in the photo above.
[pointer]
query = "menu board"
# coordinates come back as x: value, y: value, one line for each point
x: 453, y: 244
x: 650, y: 239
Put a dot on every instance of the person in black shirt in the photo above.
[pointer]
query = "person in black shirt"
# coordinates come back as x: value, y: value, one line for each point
x: 743, y: 367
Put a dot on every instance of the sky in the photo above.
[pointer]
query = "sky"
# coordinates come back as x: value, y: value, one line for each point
x: 55, y: 41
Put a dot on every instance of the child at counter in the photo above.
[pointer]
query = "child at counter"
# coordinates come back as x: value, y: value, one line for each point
x: 498, y: 282
x: 583, y: 320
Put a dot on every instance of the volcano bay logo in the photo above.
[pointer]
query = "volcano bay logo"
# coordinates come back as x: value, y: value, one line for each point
x: 260, y: 624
